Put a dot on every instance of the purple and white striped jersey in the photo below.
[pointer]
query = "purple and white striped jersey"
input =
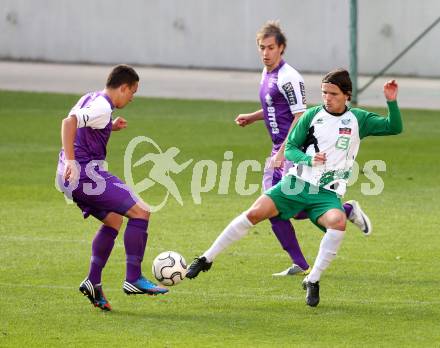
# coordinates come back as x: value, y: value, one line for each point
x: 282, y: 94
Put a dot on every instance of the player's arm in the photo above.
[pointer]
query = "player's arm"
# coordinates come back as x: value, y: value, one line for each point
x: 68, y: 133
x: 245, y: 119
x: 119, y: 123
x: 278, y: 159
x: 296, y: 139
x: 374, y: 124
x: 96, y: 116
x: 292, y: 88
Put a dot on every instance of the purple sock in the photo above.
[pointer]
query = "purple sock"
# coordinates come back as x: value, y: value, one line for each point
x: 302, y: 215
x: 285, y: 233
x: 102, y: 246
x: 348, y: 208
x: 135, y: 241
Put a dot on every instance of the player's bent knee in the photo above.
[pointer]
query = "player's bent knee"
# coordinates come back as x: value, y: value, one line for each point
x: 141, y: 214
x: 337, y: 224
x: 334, y: 219
x: 258, y: 214
x: 339, y: 227
x: 263, y: 208
x: 138, y: 212
x: 145, y: 215
x: 254, y: 216
x: 113, y: 220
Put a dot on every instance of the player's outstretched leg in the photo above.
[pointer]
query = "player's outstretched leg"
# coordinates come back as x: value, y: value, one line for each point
x: 263, y: 208
x: 285, y: 233
x: 95, y: 294
x: 236, y: 230
x: 358, y: 217
x: 135, y: 241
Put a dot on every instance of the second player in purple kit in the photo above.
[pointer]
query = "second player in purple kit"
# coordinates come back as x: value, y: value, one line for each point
x: 283, y: 100
x: 82, y: 176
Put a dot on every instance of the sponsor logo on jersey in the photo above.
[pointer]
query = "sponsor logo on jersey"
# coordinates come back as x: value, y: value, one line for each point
x: 271, y: 115
x: 345, y: 121
x: 345, y: 130
x: 343, y: 142
x: 272, y: 119
x: 319, y: 121
x: 290, y: 93
x: 268, y: 99
x: 303, y: 92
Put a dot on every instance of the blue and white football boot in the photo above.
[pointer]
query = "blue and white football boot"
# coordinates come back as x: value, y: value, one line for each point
x: 143, y: 286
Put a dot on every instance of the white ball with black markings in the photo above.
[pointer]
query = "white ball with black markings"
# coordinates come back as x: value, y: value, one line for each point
x: 169, y: 268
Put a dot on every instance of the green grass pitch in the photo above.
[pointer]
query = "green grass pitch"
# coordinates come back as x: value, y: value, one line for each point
x: 380, y: 291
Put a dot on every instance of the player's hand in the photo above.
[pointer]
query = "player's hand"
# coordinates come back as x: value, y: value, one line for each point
x: 319, y: 159
x: 390, y: 90
x: 244, y: 119
x: 119, y: 123
x: 277, y: 160
x: 71, y: 171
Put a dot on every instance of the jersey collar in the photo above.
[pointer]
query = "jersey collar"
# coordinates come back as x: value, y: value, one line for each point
x: 280, y: 65
x: 282, y: 62
x: 102, y: 94
x: 336, y: 113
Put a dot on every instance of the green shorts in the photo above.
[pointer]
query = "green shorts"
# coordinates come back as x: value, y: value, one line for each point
x: 292, y: 195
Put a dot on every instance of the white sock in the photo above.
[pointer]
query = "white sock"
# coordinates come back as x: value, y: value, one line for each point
x: 330, y: 244
x: 236, y: 230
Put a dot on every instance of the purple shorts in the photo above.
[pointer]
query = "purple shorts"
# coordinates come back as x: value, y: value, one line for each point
x: 272, y: 176
x: 100, y: 196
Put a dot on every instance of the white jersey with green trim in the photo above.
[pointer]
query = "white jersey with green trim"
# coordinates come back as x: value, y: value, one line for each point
x: 337, y: 137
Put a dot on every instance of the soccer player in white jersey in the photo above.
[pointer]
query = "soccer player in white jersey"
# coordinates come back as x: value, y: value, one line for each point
x: 283, y: 101
x: 324, y: 145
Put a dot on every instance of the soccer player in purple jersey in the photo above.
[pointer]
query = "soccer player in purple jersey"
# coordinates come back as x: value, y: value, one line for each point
x: 81, y: 176
x: 283, y: 101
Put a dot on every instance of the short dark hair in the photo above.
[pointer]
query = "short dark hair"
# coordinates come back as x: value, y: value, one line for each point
x: 272, y: 28
x: 120, y: 75
x: 341, y: 78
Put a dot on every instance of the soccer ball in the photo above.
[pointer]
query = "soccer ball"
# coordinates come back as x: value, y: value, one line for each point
x: 169, y: 268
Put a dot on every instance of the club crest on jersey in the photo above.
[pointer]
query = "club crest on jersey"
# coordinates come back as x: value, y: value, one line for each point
x: 290, y: 93
x: 272, y: 81
x: 345, y: 130
x: 345, y: 121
